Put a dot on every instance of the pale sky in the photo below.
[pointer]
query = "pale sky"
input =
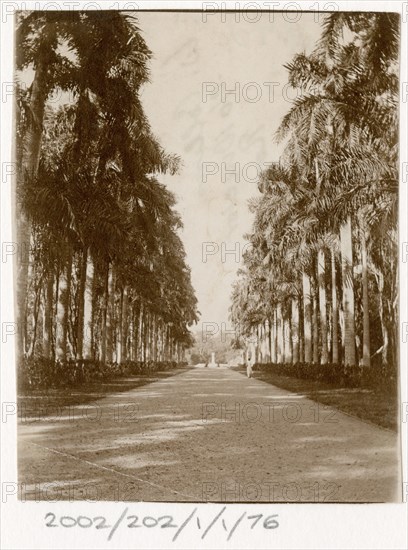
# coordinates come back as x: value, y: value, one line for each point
x: 187, y: 53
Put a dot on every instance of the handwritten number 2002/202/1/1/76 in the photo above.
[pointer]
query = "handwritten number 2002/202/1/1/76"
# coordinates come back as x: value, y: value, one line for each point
x: 164, y: 522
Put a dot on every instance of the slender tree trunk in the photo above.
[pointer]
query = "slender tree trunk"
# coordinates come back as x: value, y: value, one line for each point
x: 274, y: 335
x: 258, y: 345
x: 145, y: 335
x: 395, y: 342
x: 36, y: 311
x: 315, y: 325
x: 366, y: 307
x: 307, y: 318
x: 162, y: 329
x: 166, y: 342
x: 172, y: 348
x: 253, y: 346
x: 140, y: 336
x: 31, y: 160
x: 301, y: 329
x: 135, y: 341
x: 150, y: 337
x: 63, y: 310
x: 105, y: 307
x: 295, y: 330
x: 119, y: 339
x: 264, y: 344
x: 159, y: 339
x: 335, y: 337
x: 124, y: 331
x: 152, y: 343
x: 384, y: 330
x: 280, y: 334
x: 154, y: 337
x: 267, y: 341
x: 81, y: 303
x: 88, y: 310
x: 48, y: 309
x: 110, y: 312
x: 156, y: 325
x: 55, y: 312
x: 288, y: 350
x: 346, y: 245
x: 321, y: 273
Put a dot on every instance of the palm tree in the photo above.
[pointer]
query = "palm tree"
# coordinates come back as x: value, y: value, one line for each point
x: 94, y: 195
x: 337, y: 165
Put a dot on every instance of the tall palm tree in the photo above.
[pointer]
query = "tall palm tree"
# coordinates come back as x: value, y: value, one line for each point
x: 94, y: 194
x: 337, y: 157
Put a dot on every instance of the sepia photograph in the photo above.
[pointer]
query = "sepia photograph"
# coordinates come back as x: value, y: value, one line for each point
x: 206, y: 259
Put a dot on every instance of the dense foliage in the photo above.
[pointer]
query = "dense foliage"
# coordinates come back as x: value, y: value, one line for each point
x: 319, y: 284
x: 104, y: 276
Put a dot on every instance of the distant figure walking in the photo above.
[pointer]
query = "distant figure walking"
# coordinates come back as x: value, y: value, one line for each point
x: 249, y: 365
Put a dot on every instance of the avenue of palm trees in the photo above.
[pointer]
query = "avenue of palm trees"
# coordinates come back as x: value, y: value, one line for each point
x: 103, y: 276
x: 319, y: 284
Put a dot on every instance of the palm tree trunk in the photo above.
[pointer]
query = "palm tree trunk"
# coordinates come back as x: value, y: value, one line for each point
x: 62, y: 310
x: 274, y: 333
x: 301, y: 329
x: 31, y: 160
x: 81, y: 303
x: 168, y: 355
x: 366, y: 307
x: 158, y: 338
x: 88, y: 309
x: 307, y: 318
x: 346, y: 244
x: 124, y: 318
x: 119, y: 339
x: 162, y: 340
x: 48, y: 309
x: 384, y: 348
x: 335, y: 325
x: 315, y: 325
x: 260, y: 343
x: 280, y: 334
x: 110, y: 312
x: 321, y: 273
x: 140, y: 336
x: 105, y: 314
x: 36, y: 311
x: 130, y: 335
x: 267, y: 341
x: 135, y: 328
x: 258, y: 352
x: 145, y: 335
x: 151, y: 336
x: 295, y: 330
x: 288, y: 350
x: 55, y: 311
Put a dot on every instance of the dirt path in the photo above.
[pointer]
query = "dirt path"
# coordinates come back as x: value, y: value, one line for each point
x: 207, y: 434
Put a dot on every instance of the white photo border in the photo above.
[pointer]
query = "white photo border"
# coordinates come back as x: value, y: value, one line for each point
x: 316, y: 526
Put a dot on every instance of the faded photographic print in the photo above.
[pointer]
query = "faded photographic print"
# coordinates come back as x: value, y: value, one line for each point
x: 207, y: 259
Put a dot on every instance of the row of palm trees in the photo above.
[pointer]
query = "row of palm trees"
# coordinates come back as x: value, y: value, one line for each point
x: 320, y: 282
x: 106, y: 276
